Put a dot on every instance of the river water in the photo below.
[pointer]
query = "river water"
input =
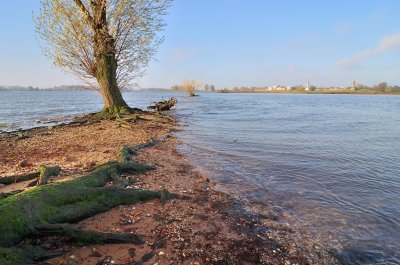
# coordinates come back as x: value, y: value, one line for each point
x: 329, y: 163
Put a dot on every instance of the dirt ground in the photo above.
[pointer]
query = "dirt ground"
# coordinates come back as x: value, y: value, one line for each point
x: 203, y: 226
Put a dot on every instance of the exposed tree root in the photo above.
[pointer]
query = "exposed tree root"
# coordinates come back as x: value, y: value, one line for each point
x: 146, y: 257
x: 65, y: 202
x: 118, y: 180
x: 92, y: 237
x: 43, y: 175
x: 125, y: 152
x: 46, y: 173
x: 47, y: 209
x: 165, y: 196
x: 128, y: 121
x: 26, y: 255
x: 7, y: 194
x: 151, y: 143
x: 117, y: 111
x: 18, y: 178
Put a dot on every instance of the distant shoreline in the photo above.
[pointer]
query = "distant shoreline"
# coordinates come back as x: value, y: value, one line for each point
x: 227, y: 91
x: 345, y: 92
x: 81, y: 90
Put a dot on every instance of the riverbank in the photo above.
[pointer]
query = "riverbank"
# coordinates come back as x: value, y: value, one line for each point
x: 203, y: 226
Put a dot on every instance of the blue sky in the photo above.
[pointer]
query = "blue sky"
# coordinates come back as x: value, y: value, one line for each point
x: 238, y: 43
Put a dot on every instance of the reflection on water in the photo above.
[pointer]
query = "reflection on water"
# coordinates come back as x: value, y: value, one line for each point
x: 328, y: 165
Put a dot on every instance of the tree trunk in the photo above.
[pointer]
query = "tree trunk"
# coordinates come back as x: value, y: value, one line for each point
x: 106, y: 63
x: 106, y: 74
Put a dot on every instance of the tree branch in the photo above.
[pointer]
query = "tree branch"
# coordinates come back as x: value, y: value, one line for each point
x: 85, y: 11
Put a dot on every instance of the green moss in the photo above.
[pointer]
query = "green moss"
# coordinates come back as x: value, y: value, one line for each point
x: 114, y: 111
x: 89, y: 237
x: 48, y: 171
x: 66, y: 201
x: 109, y: 163
x: 12, y: 222
x: 125, y: 152
x: 11, y: 256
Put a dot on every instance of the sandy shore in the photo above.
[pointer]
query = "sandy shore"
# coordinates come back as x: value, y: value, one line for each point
x: 204, y: 226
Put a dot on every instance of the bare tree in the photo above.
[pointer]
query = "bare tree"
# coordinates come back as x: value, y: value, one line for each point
x: 109, y: 42
x: 190, y: 86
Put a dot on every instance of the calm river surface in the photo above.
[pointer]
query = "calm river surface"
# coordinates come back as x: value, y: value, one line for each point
x: 329, y: 163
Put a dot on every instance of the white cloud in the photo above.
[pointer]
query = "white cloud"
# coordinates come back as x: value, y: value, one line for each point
x: 384, y: 45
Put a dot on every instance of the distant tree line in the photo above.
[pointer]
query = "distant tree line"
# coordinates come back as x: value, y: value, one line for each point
x: 19, y: 88
x: 209, y: 88
x: 188, y: 86
x: 382, y: 87
x: 57, y: 88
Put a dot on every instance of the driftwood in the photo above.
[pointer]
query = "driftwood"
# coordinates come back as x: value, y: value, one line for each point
x: 50, y: 209
x: 164, y: 104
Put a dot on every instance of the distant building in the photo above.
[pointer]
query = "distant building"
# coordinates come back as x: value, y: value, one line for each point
x: 307, y: 88
x: 353, y: 85
x: 278, y: 88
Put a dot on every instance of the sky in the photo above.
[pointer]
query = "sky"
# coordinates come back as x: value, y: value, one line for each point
x: 238, y: 43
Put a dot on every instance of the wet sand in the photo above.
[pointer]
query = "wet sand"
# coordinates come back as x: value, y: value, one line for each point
x: 203, y: 226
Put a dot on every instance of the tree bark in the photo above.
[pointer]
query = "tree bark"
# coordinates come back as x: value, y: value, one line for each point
x: 106, y: 63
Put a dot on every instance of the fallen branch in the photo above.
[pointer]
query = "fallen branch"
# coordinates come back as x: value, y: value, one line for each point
x: 164, y: 104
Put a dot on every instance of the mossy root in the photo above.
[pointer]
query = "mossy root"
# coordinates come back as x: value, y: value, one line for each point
x: 47, y: 209
x: 45, y: 173
x: 7, y: 180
